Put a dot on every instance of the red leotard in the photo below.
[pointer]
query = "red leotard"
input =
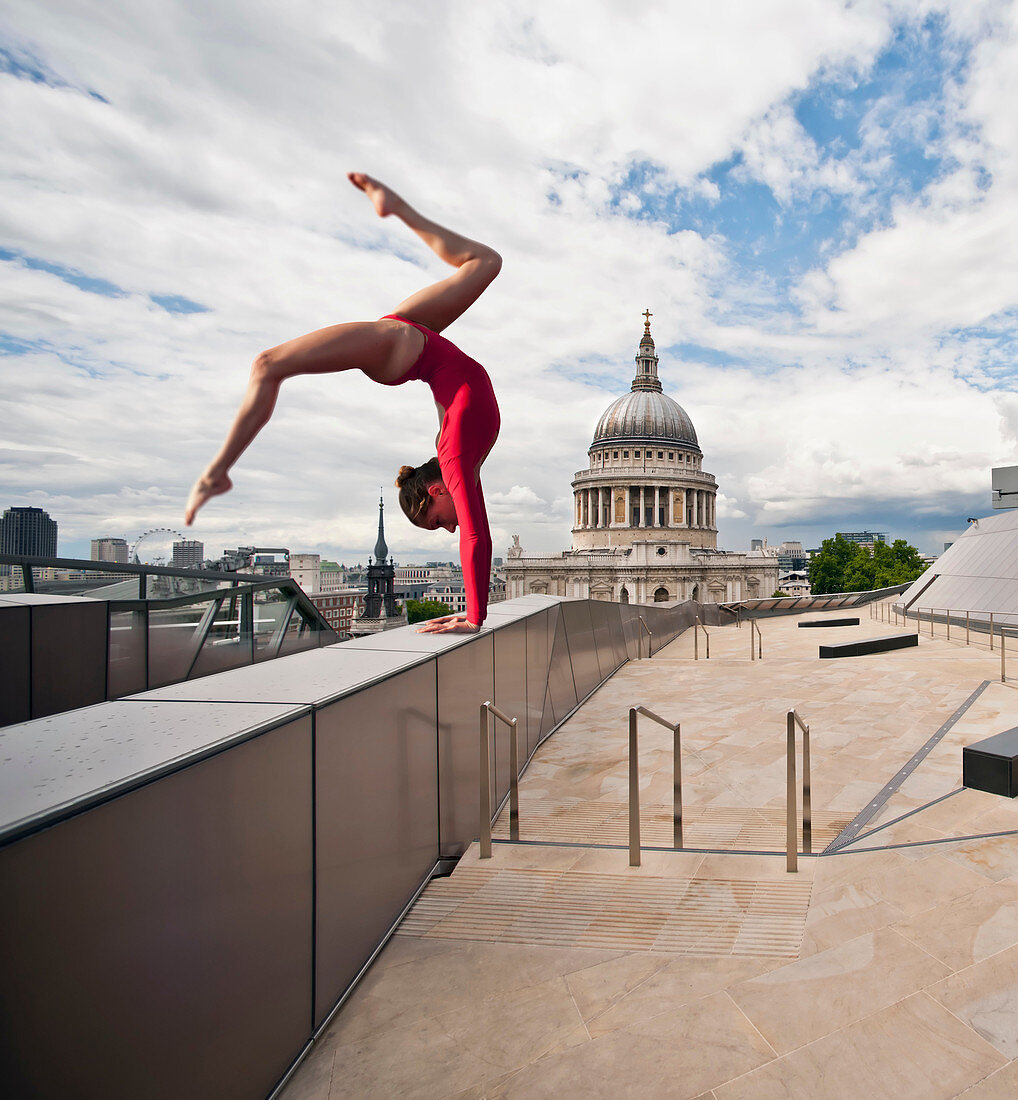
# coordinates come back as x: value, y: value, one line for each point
x: 469, y: 429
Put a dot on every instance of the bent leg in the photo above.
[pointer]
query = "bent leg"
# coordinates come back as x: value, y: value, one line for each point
x: 438, y: 305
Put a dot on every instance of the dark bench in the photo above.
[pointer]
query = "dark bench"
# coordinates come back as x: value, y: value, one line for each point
x: 869, y: 645
x: 831, y: 622
x: 992, y: 765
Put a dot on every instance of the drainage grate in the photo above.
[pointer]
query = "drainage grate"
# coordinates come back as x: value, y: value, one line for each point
x: 573, y: 909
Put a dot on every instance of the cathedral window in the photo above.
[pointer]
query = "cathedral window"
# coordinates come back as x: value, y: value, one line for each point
x: 660, y: 454
x: 615, y: 454
x: 636, y: 454
x: 625, y: 454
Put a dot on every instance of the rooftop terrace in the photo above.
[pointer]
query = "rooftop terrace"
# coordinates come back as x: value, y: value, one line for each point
x: 887, y: 966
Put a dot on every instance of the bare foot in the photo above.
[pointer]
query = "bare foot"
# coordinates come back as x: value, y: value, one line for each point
x: 386, y: 200
x: 205, y: 487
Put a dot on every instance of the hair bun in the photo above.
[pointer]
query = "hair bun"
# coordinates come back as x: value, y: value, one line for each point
x: 404, y: 475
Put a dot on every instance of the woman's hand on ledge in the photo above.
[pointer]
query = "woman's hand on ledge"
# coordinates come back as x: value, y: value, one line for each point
x: 449, y: 624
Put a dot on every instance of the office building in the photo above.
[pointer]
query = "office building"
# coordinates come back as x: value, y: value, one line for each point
x: 28, y: 531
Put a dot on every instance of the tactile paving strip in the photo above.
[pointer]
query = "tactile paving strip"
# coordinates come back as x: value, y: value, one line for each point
x: 573, y: 909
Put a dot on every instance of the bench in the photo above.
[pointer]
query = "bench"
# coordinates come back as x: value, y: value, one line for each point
x: 869, y: 645
x: 830, y: 622
x: 992, y: 765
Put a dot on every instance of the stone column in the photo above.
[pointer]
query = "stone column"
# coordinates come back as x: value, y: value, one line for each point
x: 643, y: 507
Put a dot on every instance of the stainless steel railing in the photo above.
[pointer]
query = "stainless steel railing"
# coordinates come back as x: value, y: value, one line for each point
x: 791, y: 845
x: 697, y: 627
x: 755, y: 641
x: 650, y: 639
x: 634, y: 781
x: 487, y: 712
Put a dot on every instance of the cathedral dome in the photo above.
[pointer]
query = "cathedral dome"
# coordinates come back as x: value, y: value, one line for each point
x: 645, y: 414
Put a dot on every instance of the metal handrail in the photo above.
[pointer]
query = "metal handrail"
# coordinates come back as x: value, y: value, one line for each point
x: 650, y: 637
x: 948, y: 613
x: 755, y: 651
x: 487, y: 728
x: 634, y: 782
x: 697, y: 627
x: 791, y: 847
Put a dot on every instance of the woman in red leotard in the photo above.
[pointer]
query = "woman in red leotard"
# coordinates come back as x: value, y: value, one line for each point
x: 404, y: 346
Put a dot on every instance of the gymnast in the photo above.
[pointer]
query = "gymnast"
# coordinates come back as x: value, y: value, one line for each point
x: 404, y: 346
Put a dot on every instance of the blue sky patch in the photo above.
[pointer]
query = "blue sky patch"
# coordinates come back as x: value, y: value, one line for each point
x: 24, y: 65
x: 177, y: 303
x: 76, y: 278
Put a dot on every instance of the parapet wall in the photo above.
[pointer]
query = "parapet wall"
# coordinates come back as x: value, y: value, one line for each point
x: 194, y: 877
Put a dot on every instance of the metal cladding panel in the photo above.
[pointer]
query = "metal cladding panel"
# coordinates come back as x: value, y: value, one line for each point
x: 318, y: 677
x: 159, y: 945
x: 633, y: 632
x: 15, y: 643
x: 68, y: 656
x: 560, y: 674
x: 582, y: 647
x: 538, y: 663
x: 601, y: 614
x: 510, y: 697
x: 376, y: 814
x: 466, y: 678
x: 618, y: 634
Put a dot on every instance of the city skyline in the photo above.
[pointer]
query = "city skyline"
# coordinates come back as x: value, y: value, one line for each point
x: 813, y: 199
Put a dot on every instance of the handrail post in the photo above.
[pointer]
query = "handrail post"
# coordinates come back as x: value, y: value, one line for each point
x: 487, y: 713
x: 791, y: 848
x: 514, y: 779
x: 485, y: 731
x: 634, y: 792
x: 791, y: 843
x: 696, y: 639
x: 807, y: 798
x: 991, y: 631
x: 1003, y: 678
x: 948, y: 624
x: 931, y: 622
x: 676, y: 786
x: 966, y: 628
x: 752, y: 640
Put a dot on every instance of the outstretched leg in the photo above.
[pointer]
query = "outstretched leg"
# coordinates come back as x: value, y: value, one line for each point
x: 438, y: 305
x: 384, y: 350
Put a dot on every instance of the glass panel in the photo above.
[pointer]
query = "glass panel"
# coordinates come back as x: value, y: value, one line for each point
x: 270, y: 608
x: 127, y: 671
x: 226, y: 644
x: 12, y: 579
x: 171, y: 641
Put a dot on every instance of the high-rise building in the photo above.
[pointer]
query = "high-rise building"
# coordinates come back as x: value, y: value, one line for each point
x: 864, y: 538
x: 110, y: 549
x: 28, y: 531
x: 188, y: 554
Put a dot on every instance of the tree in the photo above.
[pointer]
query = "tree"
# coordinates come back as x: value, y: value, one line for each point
x: 843, y: 566
x: 419, y: 611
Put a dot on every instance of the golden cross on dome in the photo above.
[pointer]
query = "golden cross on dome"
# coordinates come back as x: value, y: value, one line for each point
x: 646, y: 324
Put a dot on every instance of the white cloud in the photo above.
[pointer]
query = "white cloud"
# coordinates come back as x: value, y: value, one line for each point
x: 216, y: 172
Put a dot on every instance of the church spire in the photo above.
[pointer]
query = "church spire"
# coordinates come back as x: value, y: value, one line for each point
x: 646, y: 360
x: 381, y: 550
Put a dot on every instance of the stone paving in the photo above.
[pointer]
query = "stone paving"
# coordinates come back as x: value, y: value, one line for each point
x: 889, y: 968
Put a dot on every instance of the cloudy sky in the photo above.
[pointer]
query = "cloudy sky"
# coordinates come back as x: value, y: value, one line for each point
x: 816, y: 199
